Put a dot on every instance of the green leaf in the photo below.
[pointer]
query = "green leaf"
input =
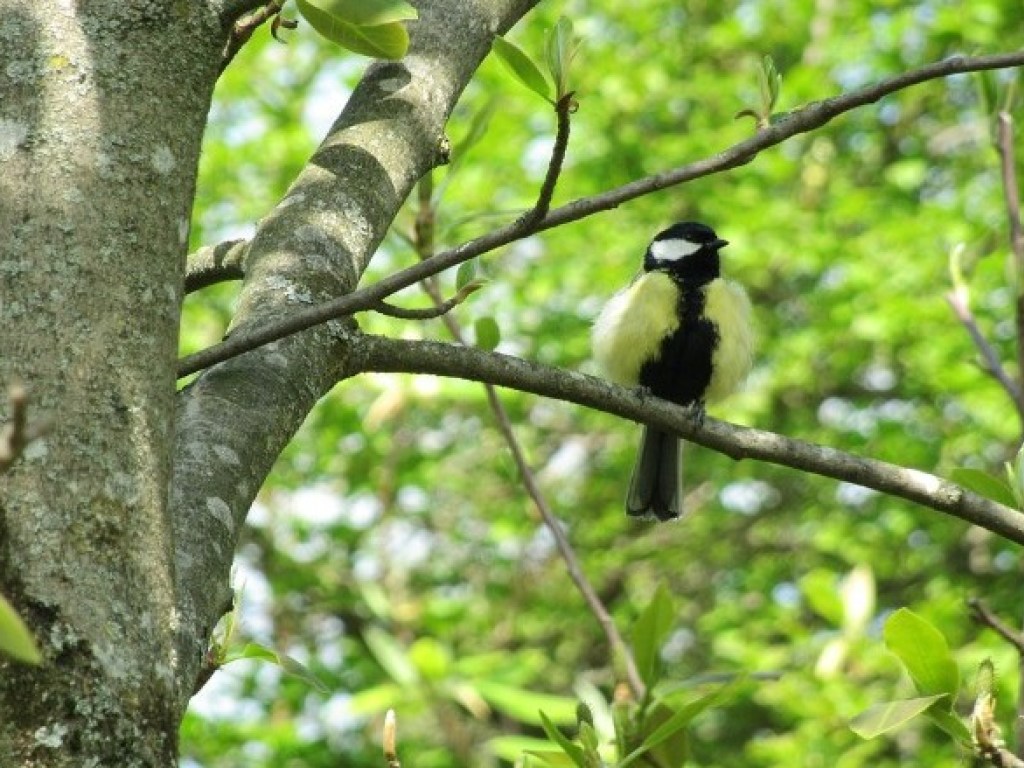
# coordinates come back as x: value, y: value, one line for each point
x: 667, y: 744
x: 547, y: 759
x: 821, y: 590
x: 524, y: 706
x: 988, y: 92
x: 522, y: 67
x: 572, y: 749
x: 368, y: 13
x: 15, y: 639
x: 561, y: 48
x: 382, y: 41
x: 379, y: 698
x: 924, y: 652
x: 512, y: 748
x: 770, y: 80
x: 881, y: 718
x: 391, y: 656
x: 951, y: 724
x: 465, y: 274
x: 984, y: 484
x: 290, y: 665
x: 432, y: 659
x: 649, y: 633
x: 488, y: 335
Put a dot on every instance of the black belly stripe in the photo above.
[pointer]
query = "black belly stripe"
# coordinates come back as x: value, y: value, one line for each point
x: 682, y: 372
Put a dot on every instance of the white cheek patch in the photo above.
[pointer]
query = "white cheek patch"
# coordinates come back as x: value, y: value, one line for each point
x: 673, y: 250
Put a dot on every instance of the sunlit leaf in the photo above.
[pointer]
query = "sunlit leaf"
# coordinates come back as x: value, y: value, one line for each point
x: 951, y: 723
x: 382, y: 41
x: 15, y: 639
x: 465, y: 274
x: 649, y: 634
x: 984, y: 484
x: 290, y: 665
x: 368, y: 13
x: 924, y: 652
x: 569, y: 747
x: 511, y: 748
x: 525, y: 705
x: 391, y: 656
x: 889, y: 715
x: 820, y: 587
x: 522, y: 67
x: 560, y: 49
x: 487, y: 333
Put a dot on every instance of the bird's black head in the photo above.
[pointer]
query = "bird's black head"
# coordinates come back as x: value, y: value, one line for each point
x: 688, y: 250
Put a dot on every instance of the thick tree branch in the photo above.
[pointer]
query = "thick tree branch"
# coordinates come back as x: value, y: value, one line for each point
x: 214, y: 264
x: 375, y: 353
x: 232, y: 423
x: 802, y: 120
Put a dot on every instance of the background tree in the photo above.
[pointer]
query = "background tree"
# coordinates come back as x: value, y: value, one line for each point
x: 395, y: 552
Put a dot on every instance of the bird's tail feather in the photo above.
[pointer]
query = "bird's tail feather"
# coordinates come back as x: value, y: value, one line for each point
x: 655, y: 487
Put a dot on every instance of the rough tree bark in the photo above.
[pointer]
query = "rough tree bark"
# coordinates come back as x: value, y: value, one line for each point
x: 117, y: 529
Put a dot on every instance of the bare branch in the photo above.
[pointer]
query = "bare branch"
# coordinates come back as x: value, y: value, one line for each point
x: 375, y: 353
x: 213, y: 264
x: 808, y: 118
x: 958, y: 300
x: 984, y: 616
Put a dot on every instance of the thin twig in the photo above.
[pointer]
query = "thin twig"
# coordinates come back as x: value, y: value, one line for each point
x: 380, y: 354
x: 214, y: 264
x: 564, y: 107
x: 806, y: 119
x: 993, y: 366
x: 983, y: 615
x: 441, y: 306
x: 242, y: 29
x: 1011, y: 195
x: 615, y: 641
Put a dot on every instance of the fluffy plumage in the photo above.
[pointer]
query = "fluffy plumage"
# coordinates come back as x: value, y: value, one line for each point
x: 681, y: 332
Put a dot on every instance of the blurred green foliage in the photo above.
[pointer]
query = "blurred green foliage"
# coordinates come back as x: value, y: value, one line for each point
x: 394, y: 553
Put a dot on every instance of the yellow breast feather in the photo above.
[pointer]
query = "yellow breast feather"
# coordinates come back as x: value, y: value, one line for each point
x: 631, y: 327
x: 727, y: 306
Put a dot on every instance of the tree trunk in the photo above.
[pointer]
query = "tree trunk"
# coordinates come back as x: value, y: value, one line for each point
x: 101, y: 115
x: 117, y: 529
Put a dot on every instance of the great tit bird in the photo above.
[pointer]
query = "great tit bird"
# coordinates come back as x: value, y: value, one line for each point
x: 682, y: 333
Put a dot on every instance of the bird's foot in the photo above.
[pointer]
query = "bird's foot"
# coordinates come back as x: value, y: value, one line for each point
x: 697, y: 412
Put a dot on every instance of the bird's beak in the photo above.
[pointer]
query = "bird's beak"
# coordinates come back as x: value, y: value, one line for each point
x: 720, y: 243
